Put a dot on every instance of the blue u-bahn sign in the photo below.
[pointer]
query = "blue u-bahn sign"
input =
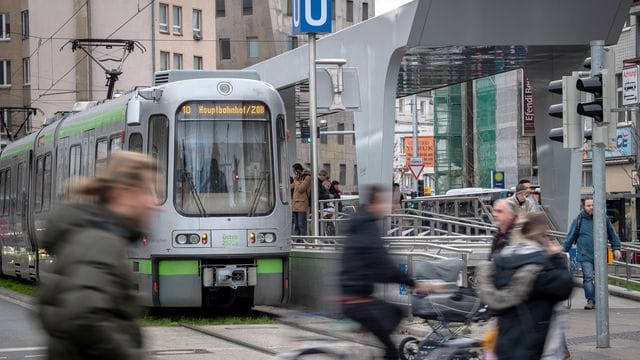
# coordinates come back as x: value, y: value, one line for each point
x: 311, y: 16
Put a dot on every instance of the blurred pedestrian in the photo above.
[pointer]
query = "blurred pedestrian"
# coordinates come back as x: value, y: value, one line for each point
x: 581, y: 232
x: 365, y: 261
x: 300, y: 199
x: 87, y: 304
x: 505, y: 214
x: 521, y: 201
x: 522, y: 286
x: 336, y: 191
x: 535, y: 206
x: 396, y: 197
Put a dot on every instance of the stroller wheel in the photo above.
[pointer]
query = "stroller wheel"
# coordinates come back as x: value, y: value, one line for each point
x: 408, y: 348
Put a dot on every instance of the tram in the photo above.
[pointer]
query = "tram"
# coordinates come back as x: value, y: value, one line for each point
x: 222, y: 234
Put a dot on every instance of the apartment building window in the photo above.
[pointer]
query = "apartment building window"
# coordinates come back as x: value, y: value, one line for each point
x: 25, y: 24
x: 293, y: 42
x: 164, y: 60
x: 5, y: 28
x: 341, y: 137
x: 350, y: 10
x: 197, y: 63
x: 400, y: 105
x: 253, y: 48
x: 423, y: 107
x: 327, y: 168
x: 247, y: 7
x: 177, y: 61
x: 225, y: 49
x: 197, y: 24
x: 163, y: 18
x: 343, y: 174
x: 289, y: 4
x: 26, y: 71
x: 353, y: 137
x: 177, y: 20
x: 5, y: 73
x: 220, y: 8
x: 365, y: 11
x: 355, y: 176
x: 333, y: 9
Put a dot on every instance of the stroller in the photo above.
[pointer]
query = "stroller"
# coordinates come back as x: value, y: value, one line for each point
x: 453, y: 305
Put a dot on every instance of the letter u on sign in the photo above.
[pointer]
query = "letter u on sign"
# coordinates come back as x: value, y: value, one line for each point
x: 311, y: 16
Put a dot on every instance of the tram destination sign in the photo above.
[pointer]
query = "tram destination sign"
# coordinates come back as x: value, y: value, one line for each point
x: 223, y: 110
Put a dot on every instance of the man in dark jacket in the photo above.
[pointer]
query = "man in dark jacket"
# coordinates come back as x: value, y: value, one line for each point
x: 365, y: 262
x: 87, y: 303
x: 581, y: 231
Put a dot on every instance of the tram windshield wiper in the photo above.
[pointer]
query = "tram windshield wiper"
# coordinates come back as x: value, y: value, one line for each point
x: 188, y: 178
x: 258, y: 193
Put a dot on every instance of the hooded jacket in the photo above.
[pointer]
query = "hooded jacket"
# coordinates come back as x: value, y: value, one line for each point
x: 365, y: 261
x: 87, y: 303
x: 584, y: 237
x: 522, y: 285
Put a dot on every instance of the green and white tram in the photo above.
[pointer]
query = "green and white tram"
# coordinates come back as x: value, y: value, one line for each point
x: 222, y: 235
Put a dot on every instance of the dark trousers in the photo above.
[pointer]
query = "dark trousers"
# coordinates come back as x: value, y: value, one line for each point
x: 299, y: 226
x: 380, y: 318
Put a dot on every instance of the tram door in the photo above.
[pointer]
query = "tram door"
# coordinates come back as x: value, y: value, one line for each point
x: 88, y: 148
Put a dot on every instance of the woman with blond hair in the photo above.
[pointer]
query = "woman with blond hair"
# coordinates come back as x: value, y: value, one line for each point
x: 87, y: 303
x: 522, y: 285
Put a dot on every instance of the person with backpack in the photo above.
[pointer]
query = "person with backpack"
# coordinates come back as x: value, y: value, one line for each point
x: 581, y: 233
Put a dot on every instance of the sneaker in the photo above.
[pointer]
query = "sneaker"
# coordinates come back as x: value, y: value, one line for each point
x: 589, y: 306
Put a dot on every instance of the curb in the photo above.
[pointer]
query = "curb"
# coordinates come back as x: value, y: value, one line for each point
x: 22, y: 300
x: 615, y: 291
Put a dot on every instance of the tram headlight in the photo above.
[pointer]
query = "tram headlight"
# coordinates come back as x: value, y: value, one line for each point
x: 181, y: 239
x: 269, y: 237
x: 194, y: 239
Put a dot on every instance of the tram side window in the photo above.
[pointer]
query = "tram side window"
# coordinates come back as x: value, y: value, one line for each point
x: 3, y: 185
x: 135, y: 142
x: 20, y: 188
x: 158, y: 148
x: 46, y: 191
x: 116, y: 143
x: 102, y: 154
x: 282, y: 158
x: 7, y: 192
x: 75, y: 164
x: 39, y: 177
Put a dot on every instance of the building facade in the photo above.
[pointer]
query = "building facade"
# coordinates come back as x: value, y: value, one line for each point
x: 49, y: 75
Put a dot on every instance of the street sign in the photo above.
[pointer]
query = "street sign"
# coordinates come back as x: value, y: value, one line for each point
x: 497, y: 179
x: 416, y: 166
x: 630, y: 85
x: 311, y: 16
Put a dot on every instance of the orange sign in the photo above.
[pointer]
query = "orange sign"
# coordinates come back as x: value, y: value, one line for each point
x: 426, y: 150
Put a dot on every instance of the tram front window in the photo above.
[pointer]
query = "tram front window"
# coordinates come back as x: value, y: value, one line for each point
x: 223, y: 162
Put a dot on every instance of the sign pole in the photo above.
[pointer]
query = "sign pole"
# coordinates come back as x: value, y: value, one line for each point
x: 414, y: 113
x: 313, y: 124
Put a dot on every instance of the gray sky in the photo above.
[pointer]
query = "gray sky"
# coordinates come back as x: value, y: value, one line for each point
x: 382, y: 6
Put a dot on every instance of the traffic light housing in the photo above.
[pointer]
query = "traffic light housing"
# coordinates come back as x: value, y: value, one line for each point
x: 571, y: 131
x: 603, y: 88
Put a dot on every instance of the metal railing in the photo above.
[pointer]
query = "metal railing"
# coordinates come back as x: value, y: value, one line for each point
x: 631, y: 264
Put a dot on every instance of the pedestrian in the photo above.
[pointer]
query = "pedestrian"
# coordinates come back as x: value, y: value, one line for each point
x: 505, y: 214
x: 522, y: 285
x: 535, y: 206
x: 300, y: 199
x: 87, y: 303
x: 365, y: 261
x: 396, y: 197
x: 323, y: 185
x: 336, y: 191
x: 581, y: 232
x: 519, y: 198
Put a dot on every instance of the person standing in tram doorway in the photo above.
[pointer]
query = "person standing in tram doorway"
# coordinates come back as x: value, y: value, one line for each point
x: 87, y: 304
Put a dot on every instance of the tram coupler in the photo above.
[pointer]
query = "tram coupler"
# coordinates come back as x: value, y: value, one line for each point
x: 228, y: 276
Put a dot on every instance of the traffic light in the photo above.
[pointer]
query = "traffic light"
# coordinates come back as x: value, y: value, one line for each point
x: 305, y: 134
x: 603, y: 88
x: 571, y: 132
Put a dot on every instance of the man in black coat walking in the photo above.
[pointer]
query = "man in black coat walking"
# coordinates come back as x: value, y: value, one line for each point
x: 365, y: 261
